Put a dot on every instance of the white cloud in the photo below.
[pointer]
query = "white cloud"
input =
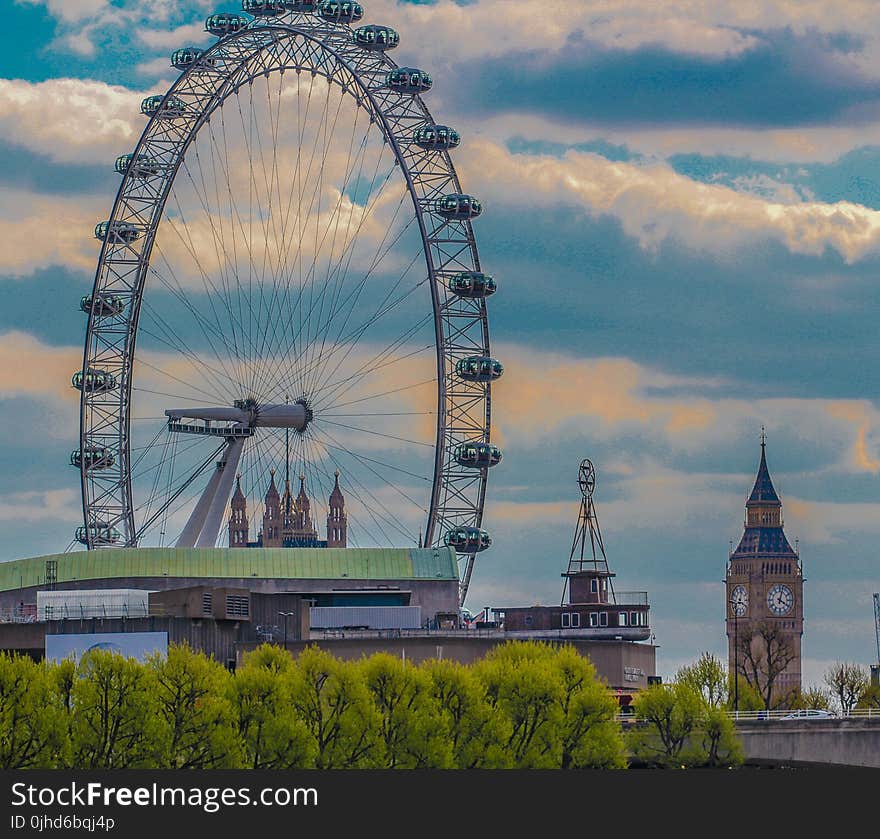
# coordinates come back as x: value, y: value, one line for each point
x: 654, y: 203
x: 71, y: 120
x: 43, y: 231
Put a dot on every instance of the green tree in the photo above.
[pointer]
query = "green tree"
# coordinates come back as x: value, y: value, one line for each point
x: 197, y: 718
x: 846, y: 681
x: 333, y: 702
x: 763, y: 657
x: 590, y: 733
x: 271, y: 736
x: 33, y: 729
x: 718, y: 740
x: 870, y: 698
x: 520, y: 681
x: 813, y: 697
x: 709, y: 677
x: 666, y: 718
x: 746, y: 697
x: 412, y: 728
x: 114, y: 719
x: 477, y: 734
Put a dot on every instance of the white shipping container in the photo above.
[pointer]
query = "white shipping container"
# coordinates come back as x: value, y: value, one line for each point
x: 371, y: 617
x: 93, y: 603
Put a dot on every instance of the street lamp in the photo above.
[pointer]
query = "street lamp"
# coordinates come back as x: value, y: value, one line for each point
x: 286, y: 615
x: 735, y: 608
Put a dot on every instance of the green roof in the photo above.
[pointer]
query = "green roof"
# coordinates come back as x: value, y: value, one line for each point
x: 265, y: 563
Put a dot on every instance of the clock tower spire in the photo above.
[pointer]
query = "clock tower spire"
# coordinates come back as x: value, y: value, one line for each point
x: 765, y: 619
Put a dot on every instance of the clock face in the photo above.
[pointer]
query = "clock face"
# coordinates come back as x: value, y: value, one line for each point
x: 739, y: 600
x: 780, y: 599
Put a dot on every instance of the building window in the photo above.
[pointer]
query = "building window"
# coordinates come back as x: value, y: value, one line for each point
x: 207, y: 603
x: 603, y: 618
x: 594, y: 586
x: 566, y: 620
x: 622, y: 619
x: 575, y: 619
x: 594, y: 618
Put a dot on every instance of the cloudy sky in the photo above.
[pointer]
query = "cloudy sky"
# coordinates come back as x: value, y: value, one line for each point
x: 682, y: 212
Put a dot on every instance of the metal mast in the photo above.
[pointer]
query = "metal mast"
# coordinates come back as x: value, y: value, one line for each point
x: 877, y: 623
x: 587, y: 526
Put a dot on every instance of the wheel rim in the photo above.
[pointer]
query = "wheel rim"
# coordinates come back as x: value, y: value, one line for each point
x: 148, y: 201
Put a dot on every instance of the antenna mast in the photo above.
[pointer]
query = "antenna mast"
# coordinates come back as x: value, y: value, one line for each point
x: 587, y: 526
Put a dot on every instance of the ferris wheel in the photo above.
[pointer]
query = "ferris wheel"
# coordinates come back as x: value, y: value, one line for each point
x: 289, y: 276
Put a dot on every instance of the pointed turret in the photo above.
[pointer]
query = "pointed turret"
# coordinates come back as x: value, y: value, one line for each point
x: 238, y: 520
x: 272, y: 516
x: 763, y: 491
x: 337, y: 521
x: 763, y: 519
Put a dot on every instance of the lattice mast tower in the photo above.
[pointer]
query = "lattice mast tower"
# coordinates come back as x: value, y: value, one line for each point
x: 581, y: 562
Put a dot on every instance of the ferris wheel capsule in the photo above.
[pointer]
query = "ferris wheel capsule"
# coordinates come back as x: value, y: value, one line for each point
x: 468, y: 540
x: 436, y: 138
x: 478, y: 455
x: 98, y: 534
x: 409, y: 80
x: 137, y: 166
x: 459, y: 207
x: 376, y: 38
x: 301, y: 6
x: 105, y: 305
x: 340, y: 11
x: 186, y: 57
x: 92, y: 457
x: 94, y: 381
x: 472, y: 284
x: 263, y: 8
x: 225, y: 23
x: 153, y: 106
x: 479, y: 368
x: 116, y: 232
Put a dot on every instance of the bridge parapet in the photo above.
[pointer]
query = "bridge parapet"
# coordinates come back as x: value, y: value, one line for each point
x: 838, y: 741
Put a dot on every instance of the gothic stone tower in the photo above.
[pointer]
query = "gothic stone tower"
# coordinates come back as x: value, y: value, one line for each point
x: 337, y: 521
x: 238, y: 519
x: 765, y: 595
x: 272, y: 516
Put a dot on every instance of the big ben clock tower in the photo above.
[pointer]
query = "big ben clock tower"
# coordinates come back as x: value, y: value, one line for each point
x: 765, y: 618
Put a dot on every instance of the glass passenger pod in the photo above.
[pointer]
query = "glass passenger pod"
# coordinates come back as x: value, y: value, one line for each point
x: 340, y: 11
x: 225, y: 24
x: 93, y: 458
x: 94, y: 381
x: 472, y: 284
x: 101, y: 534
x: 301, y: 6
x: 188, y: 56
x: 376, y: 38
x: 468, y: 540
x: 479, y: 368
x: 409, y: 80
x: 436, y: 138
x: 106, y: 305
x: 478, y: 455
x: 172, y: 109
x: 459, y: 207
x: 143, y: 167
x: 116, y: 232
x: 263, y: 8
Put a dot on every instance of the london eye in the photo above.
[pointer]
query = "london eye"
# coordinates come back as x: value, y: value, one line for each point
x: 289, y: 277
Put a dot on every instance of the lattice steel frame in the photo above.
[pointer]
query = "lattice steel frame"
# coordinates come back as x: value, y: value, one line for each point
x: 299, y: 43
